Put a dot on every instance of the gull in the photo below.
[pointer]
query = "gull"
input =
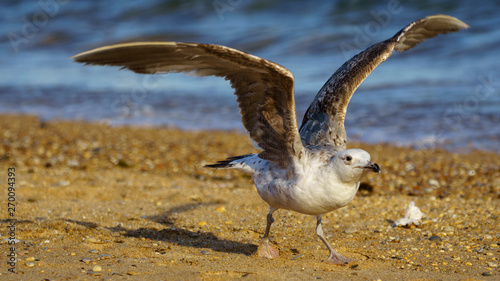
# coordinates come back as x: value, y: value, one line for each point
x: 306, y: 170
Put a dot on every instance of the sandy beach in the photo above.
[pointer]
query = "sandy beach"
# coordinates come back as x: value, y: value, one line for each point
x: 95, y: 202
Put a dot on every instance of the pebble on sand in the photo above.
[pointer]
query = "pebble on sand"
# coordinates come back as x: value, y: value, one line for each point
x: 104, y: 256
x: 435, y: 238
x: 492, y: 264
x: 92, y: 240
x: 448, y: 229
x: 96, y: 268
x: 350, y: 230
x: 86, y: 260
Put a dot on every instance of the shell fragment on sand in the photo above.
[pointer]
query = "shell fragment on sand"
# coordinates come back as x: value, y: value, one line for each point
x: 413, y: 215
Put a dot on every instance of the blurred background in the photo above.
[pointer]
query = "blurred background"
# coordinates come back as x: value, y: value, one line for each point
x: 445, y: 92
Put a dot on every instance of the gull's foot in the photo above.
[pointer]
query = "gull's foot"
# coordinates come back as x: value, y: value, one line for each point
x: 267, y: 250
x: 338, y: 259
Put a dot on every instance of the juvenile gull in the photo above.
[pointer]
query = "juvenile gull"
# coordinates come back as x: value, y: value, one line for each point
x: 308, y: 170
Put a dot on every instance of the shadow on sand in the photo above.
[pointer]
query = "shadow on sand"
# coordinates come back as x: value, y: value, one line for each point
x: 179, y: 236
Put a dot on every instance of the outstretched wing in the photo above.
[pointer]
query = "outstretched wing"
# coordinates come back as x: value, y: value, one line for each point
x: 264, y: 89
x: 323, y: 121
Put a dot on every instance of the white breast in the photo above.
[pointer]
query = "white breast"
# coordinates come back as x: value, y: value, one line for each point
x: 312, y: 192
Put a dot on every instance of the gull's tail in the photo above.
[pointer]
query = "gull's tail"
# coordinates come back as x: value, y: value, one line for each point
x: 228, y: 163
x: 235, y: 162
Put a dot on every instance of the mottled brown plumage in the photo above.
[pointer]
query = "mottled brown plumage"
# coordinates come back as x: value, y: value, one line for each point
x: 264, y: 89
x: 324, y: 119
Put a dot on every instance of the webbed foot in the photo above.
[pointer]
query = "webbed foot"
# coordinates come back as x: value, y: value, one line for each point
x: 336, y: 258
x: 267, y: 250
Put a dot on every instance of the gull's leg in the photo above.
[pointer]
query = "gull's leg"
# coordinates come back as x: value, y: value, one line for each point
x: 334, y: 257
x: 266, y: 249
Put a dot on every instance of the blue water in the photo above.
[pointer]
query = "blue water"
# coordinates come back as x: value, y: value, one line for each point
x: 445, y: 92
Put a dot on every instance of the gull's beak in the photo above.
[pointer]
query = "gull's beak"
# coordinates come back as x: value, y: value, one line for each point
x: 372, y: 167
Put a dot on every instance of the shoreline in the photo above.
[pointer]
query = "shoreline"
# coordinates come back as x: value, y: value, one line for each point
x: 469, y: 148
x: 137, y: 201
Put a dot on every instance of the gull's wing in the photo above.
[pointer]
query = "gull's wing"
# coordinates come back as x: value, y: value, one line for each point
x: 323, y: 122
x: 264, y: 89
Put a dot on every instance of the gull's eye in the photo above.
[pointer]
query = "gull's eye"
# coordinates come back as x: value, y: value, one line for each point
x: 348, y: 158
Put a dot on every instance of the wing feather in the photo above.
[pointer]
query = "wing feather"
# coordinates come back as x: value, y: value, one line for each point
x: 264, y: 89
x: 323, y: 121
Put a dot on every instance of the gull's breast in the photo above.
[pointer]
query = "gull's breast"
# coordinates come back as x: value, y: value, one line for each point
x: 319, y: 198
x: 310, y: 194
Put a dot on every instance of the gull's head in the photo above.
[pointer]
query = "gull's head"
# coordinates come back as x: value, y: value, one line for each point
x: 352, y: 164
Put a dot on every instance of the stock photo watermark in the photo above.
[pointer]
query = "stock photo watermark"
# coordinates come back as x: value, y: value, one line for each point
x: 364, y: 37
x: 11, y: 226
x: 125, y: 105
x: 223, y: 6
x: 454, y: 116
x: 31, y: 25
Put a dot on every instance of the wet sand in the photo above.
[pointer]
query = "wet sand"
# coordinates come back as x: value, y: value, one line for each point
x: 124, y: 203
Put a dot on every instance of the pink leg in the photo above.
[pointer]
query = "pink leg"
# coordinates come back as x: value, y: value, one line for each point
x: 334, y: 258
x: 266, y: 249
